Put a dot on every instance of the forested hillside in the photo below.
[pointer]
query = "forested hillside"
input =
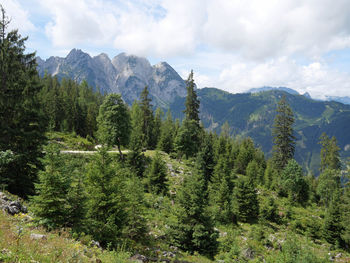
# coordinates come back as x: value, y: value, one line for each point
x: 170, y: 190
x: 252, y: 115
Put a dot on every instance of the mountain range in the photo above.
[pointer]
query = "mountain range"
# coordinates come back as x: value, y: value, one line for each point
x: 248, y: 114
x: 124, y: 74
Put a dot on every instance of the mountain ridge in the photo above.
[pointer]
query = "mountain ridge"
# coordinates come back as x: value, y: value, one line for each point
x: 124, y: 74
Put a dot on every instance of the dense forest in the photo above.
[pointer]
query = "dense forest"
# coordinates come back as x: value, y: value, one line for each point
x: 172, y: 186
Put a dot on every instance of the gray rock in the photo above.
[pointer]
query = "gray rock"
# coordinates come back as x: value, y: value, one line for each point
x: 34, y: 236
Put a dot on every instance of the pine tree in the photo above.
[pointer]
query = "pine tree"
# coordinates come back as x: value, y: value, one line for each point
x: 114, y: 122
x: 156, y: 180
x: 283, y: 138
x: 22, y: 124
x: 192, y: 102
x: 193, y: 229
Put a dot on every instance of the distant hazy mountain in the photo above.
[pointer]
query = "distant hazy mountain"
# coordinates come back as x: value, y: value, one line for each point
x: 125, y: 74
x: 344, y: 100
x: 253, y: 114
x: 267, y: 88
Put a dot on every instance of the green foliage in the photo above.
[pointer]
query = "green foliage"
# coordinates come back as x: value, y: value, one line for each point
x: 270, y: 175
x: 156, y: 180
x: 148, y: 139
x: 245, y: 200
x: 292, y: 182
x: 205, y: 158
x: 330, y: 158
x: 187, y: 141
x: 69, y: 106
x: 167, y: 131
x: 135, y: 227
x: 22, y: 124
x: 268, y: 210
x: 50, y: 202
x: 328, y: 184
x: 294, y: 252
x: 114, y: 122
x: 333, y: 227
x: 135, y: 158
x: 192, y: 229
x: 254, y: 172
x: 283, y: 138
x: 106, y: 216
x: 192, y: 102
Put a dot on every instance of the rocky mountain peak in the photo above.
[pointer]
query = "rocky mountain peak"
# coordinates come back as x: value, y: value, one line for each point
x: 125, y: 74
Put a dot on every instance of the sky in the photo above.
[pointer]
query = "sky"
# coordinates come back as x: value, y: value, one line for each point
x: 230, y: 44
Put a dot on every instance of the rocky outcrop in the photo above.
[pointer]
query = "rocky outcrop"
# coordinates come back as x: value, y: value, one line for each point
x: 12, y: 207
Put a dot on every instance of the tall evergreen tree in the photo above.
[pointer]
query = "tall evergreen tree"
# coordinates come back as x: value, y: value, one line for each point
x: 292, y: 182
x: 136, y: 158
x: 167, y: 131
x: 156, y: 180
x: 193, y: 229
x: 328, y: 184
x: 114, y: 122
x: 50, y: 202
x: 192, y: 102
x: 147, y: 118
x: 22, y: 126
x: 283, y: 138
x: 106, y: 199
x: 188, y: 138
x: 332, y: 224
x: 330, y: 157
x: 246, y: 200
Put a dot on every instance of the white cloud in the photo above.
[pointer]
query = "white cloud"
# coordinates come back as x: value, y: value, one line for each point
x: 18, y: 16
x: 316, y: 78
x: 230, y: 44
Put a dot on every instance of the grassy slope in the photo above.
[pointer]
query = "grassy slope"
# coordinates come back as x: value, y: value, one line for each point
x: 298, y: 226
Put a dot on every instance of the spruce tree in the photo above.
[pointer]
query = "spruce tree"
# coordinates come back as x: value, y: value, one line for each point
x: 328, y: 184
x: 283, y: 138
x: 50, y: 202
x: 167, y: 131
x: 192, y: 102
x: 157, y: 125
x: 135, y: 226
x: 114, y: 122
x: 330, y: 157
x: 332, y: 224
x: 22, y: 124
x: 156, y: 180
x: 147, y: 118
x: 292, y: 182
x: 188, y: 139
x: 135, y: 158
x: 245, y: 200
x: 105, y: 187
x: 193, y: 230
